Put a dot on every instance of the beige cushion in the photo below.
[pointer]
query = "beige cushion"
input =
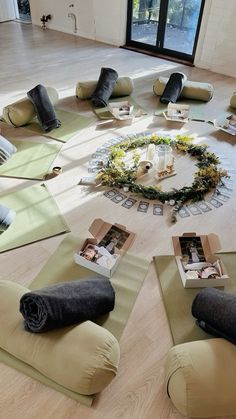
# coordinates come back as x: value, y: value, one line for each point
x: 123, y: 87
x: 201, y: 378
x: 22, y: 112
x: 191, y: 89
x: 233, y: 100
x: 83, y: 358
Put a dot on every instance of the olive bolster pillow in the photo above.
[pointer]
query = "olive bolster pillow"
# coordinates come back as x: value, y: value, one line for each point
x: 201, y: 378
x: 124, y: 87
x: 22, y: 112
x: 233, y: 100
x: 82, y: 358
x: 191, y: 90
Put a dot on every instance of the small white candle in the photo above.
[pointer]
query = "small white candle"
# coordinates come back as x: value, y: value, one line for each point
x: 150, y: 152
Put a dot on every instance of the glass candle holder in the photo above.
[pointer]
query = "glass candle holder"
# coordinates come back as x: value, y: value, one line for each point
x: 164, y: 157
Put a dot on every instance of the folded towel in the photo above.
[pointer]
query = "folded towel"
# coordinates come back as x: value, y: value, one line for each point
x: 215, y: 311
x: 66, y: 303
x: 7, y: 149
x: 173, y: 88
x: 7, y: 216
x: 104, y: 88
x: 43, y: 107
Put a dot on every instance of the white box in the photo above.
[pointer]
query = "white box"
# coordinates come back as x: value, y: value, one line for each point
x: 108, y: 244
x: 210, y: 245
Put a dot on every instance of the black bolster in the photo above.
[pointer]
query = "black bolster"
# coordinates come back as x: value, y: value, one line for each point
x: 104, y: 87
x: 7, y: 217
x: 66, y: 304
x: 215, y: 312
x: 43, y: 107
x: 173, y: 88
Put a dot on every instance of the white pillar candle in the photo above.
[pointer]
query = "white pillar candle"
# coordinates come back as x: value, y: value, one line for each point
x: 161, y: 163
x: 150, y: 152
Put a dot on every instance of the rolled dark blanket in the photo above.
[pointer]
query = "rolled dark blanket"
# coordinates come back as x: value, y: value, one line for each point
x: 215, y: 312
x: 43, y: 107
x: 7, y: 216
x: 104, y: 88
x: 173, y: 88
x: 66, y: 304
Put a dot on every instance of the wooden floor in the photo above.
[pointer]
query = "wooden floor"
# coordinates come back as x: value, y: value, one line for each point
x: 30, y: 56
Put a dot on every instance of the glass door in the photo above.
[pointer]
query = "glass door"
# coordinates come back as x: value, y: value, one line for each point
x: 169, y: 27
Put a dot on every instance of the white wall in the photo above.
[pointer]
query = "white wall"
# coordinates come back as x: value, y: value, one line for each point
x: 7, y: 10
x: 102, y: 20
x: 217, y: 39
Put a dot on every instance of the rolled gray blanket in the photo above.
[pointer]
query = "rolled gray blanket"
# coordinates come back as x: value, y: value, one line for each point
x: 173, y: 88
x: 104, y: 88
x: 7, y: 149
x: 66, y: 304
x: 215, y: 312
x: 7, y: 217
x: 43, y: 107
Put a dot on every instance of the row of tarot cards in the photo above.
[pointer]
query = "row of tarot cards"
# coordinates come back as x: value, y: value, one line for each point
x: 215, y: 201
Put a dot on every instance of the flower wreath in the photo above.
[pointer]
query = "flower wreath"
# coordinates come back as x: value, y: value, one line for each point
x: 208, y: 176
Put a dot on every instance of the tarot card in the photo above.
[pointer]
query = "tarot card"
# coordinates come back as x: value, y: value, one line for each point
x: 88, y: 180
x: 96, y: 156
x: 221, y: 197
x: 118, y: 198
x: 225, y: 190
x: 157, y: 209
x: 143, y: 206
x: 230, y: 182
x: 96, y: 163
x: 102, y: 150
x: 111, y: 194
x: 204, y: 207
x: 194, y: 209
x: 214, y: 202
x: 94, y: 169
x: 129, y: 203
x: 183, y: 212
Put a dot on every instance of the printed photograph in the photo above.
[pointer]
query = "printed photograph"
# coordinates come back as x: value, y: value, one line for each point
x: 192, y: 250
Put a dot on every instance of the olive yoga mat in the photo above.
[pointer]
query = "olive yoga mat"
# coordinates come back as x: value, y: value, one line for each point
x: 178, y: 300
x: 71, y: 124
x: 31, y: 161
x: 104, y: 113
x: 197, y: 110
x: 127, y: 281
x: 37, y: 217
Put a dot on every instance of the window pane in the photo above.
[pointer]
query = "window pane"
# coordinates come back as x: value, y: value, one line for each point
x: 181, y: 25
x: 145, y: 19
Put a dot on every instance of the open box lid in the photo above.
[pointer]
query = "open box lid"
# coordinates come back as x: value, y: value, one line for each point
x: 100, y: 228
x: 210, y: 243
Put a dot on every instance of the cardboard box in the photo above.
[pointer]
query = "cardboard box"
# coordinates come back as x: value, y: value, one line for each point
x: 210, y: 245
x: 102, y: 252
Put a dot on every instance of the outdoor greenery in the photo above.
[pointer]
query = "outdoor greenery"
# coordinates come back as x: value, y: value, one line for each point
x: 181, y: 13
x: 207, y: 177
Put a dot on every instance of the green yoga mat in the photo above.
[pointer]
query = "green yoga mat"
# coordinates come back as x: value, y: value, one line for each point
x: 71, y: 124
x: 104, y: 113
x: 127, y: 281
x: 178, y: 300
x: 197, y: 111
x: 31, y: 161
x: 37, y: 217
